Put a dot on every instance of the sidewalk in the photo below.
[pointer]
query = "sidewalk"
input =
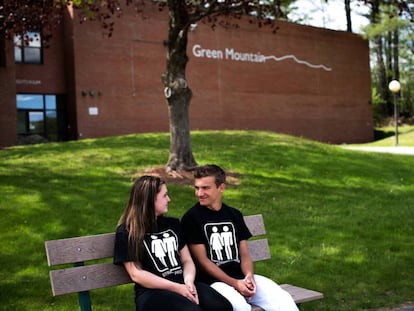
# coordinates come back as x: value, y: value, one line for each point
x: 395, y: 150
x: 408, y: 306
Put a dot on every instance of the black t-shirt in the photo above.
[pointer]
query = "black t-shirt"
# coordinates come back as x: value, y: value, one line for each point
x: 220, y: 232
x: 162, y: 250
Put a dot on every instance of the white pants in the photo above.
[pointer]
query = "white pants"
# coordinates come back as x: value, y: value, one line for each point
x: 269, y: 296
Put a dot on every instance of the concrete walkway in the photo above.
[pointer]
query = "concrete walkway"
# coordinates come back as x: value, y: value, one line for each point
x: 408, y: 306
x: 395, y: 150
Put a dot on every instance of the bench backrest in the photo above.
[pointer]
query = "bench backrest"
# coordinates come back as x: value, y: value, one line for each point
x: 79, y: 250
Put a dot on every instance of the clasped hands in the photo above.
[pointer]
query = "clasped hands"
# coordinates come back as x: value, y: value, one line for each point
x: 246, y: 287
x: 189, y: 291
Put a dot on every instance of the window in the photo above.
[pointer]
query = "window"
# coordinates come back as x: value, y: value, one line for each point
x: 28, y: 48
x: 42, y: 115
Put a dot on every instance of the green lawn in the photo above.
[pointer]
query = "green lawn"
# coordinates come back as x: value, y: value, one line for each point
x: 339, y: 221
x: 387, y: 136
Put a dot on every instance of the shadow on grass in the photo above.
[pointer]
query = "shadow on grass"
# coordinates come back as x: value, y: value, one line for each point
x: 381, y: 134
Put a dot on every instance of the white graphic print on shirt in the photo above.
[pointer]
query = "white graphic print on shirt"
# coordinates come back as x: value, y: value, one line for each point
x: 162, y: 248
x: 222, y: 242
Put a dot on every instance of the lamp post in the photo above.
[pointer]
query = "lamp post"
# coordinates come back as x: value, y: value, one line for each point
x: 395, y: 86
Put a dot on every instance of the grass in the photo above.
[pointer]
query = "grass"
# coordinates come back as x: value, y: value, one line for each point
x: 386, y: 136
x: 339, y: 221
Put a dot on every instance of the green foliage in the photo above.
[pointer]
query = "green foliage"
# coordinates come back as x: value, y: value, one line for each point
x: 377, y: 105
x: 339, y: 221
x: 388, y: 23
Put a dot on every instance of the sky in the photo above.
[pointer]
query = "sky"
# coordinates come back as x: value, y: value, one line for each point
x: 329, y: 15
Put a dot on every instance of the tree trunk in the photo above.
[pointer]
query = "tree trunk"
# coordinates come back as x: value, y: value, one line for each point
x: 389, y: 69
x: 348, y: 15
x: 176, y: 89
x: 381, y: 74
x: 380, y: 65
x: 396, y: 54
x: 396, y: 63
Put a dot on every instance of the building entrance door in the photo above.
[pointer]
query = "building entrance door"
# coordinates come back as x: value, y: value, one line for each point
x: 41, y: 118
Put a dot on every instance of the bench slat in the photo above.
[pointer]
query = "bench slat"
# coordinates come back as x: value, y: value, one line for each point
x: 255, y: 224
x: 80, y: 249
x: 99, y: 246
x: 70, y: 280
x: 83, y: 278
x: 73, y: 280
x: 300, y: 294
x: 259, y: 249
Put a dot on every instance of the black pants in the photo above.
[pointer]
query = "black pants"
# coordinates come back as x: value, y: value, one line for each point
x: 159, y: 300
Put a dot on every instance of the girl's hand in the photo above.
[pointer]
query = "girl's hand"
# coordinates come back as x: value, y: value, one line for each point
x: 193, y: 290
x: 188, y: 291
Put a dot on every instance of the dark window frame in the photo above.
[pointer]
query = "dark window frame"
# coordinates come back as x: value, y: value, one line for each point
x: 54, y: 131
x: 22, y: 46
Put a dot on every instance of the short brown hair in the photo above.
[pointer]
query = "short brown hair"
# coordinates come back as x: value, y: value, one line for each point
x: 211, y: 170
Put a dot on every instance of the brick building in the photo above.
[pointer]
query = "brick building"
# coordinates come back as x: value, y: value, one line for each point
x: 303, y: 81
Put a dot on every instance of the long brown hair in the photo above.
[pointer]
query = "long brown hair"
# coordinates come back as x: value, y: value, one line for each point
x: 139, y: 215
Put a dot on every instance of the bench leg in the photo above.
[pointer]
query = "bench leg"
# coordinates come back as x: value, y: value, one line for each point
x: 84, y: 301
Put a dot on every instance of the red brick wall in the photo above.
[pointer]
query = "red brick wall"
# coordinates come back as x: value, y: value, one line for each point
x: 282, y: 96
x: 285, y: 96
x: 8, y: 113
x: 124, y: 72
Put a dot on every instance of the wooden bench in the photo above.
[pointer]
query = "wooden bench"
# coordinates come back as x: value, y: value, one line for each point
x: 82, y: 278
